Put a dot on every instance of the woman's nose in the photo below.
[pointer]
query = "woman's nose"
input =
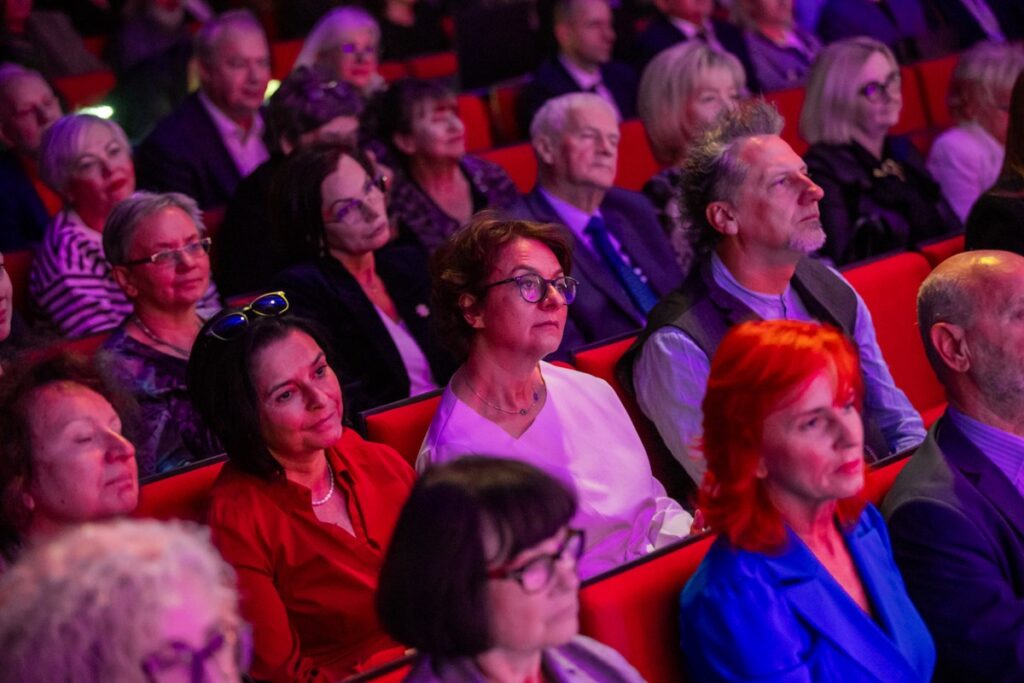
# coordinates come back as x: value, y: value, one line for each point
x: 119, y: 447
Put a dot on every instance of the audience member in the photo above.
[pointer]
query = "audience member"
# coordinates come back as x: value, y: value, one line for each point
x: 749, y: 195
x: 45, y: 41
x: 303, y: 510
x: 681, y: 20
x: 585, y: 37
x: 800, y: 584
x: 15, y: 335
x: 955, y: 512
x: 899, y: 24
x: 683, y: 89
x: 781, y: 51
x: 878, y: 194
x: 371, y: 300
x: 346, y: 41
x: 310, y: 106
x: 439, y: 186
x: 216, y: 136
x: 965, y: 160
x: 481, y: 579
x: 501, y: 290
x: 624, y: 260
x: 995, y: 220
x: 63, y: 460
x: 27, y: 108
x: 87, y: 161
x: 409, y: 28
x: 132, y: 601
x: 157, y: 247
x: 977, y: 20
x: 150, y: 56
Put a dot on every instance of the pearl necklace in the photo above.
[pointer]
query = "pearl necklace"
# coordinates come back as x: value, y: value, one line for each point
x: 521, y: 411
x: 330, y: 491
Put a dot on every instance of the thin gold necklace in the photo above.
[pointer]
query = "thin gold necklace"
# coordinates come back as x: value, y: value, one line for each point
x: 520, y: 411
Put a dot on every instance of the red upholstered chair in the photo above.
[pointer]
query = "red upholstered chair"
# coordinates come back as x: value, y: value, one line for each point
x: 938, y: 250
x: 437, y: 65
x: 401, y: 425
x: 84, y: 90
x: 599, y: 359
x: 473, y: 113
x: 18, y: 264
x: 936, y: 75
x: 878, y: 480
x: 635, y: 609
x: 282, y: 57
x: 86, y: 346
x: 636, y: 160
x: 504, y: 103
x: 392, y: 71
x: 789, y: 103
x: 518, y: 161
x: 180, y: 495
x: 889, y: 287
x: 913, y: 117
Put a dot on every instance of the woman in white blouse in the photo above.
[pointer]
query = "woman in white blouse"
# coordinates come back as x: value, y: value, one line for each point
x: 501, y: 289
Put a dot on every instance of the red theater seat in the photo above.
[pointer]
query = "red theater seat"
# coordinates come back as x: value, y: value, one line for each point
x: 85, y: 89
x: 789, y: 103
x: 635, y: 609
x: 913, y: 116
x: 18, y: 264
x: 392, y: 672
x: 403, y: 424
x: 282, y: 57
x: 473, y: 113
x: 180, y: 495
x: 437, y: 65
x: 936, y: 75
x: 878, y: 480
x: 636, y: 160
x: 504, y: 102
x: 937, y: 251
x: 392, y: 71
x: 889, y: 287
x: 518, y: 161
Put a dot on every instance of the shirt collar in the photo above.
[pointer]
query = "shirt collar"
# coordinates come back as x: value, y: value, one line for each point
x: 574, y: 218
x: 585, y: 80
x: 227, y: 127
x: 1005, y: 450
x: 690, y: 29
x: 725, y: 279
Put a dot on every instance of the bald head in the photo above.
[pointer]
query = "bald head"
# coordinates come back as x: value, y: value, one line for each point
x: 970, y: 310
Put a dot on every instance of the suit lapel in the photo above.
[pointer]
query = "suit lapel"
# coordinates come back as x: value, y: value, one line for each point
x: 222, y: 167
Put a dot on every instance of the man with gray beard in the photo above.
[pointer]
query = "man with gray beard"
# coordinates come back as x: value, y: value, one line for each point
x: 956, y: 511
x: 748, y: 195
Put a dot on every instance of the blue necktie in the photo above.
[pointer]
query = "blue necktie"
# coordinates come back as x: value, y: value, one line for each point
x: 640, y: 294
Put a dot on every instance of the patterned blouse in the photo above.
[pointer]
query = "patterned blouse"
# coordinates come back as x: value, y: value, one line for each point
x: 421, y: 220
x: 665, y: 190
x: 166, y: 430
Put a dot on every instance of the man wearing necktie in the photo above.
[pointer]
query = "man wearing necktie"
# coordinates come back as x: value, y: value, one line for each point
x: 621, y: 257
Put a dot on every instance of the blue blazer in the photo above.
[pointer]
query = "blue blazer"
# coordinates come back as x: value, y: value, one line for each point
x: 749, y: 616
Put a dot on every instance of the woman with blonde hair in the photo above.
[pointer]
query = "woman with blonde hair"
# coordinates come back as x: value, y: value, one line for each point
x: 682, y: 90
x: 346, y: 41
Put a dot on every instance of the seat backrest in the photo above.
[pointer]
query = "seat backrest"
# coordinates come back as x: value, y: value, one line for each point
x: 636, y: 162
x: 474, y: 116
x: 889, y: 287
x: 518, y: 161
x: 282, y: 57
x: 877, y: 482
x: 937, y: 251
x: 18, y: 264
x: 401, y: 425
x: 86, y: 89
x: 789, y: 103
x: 436, y: 65
x: 913, y: 116
x: 504, y: 102
x: 392, y: 71
x: 636, y: 609
x: 179, y: 495
x: 936, y: 75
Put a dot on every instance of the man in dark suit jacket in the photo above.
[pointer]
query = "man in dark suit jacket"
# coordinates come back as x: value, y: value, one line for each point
x: 576, y: 140
x: 217, y: 136
x: 585, y: 36
x: 681, y: 20
x: 983, y: 20
x: 956, y: 511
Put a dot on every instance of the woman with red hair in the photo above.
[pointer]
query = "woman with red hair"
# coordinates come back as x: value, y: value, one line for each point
x: 800, y: 584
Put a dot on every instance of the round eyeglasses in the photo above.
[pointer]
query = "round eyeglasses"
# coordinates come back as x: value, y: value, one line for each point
x: 232, y: 324
x: 534, y: 289
x: 536, y: 574
x: 876, y: 91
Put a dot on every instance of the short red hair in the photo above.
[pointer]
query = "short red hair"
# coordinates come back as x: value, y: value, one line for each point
x: 757, y: 367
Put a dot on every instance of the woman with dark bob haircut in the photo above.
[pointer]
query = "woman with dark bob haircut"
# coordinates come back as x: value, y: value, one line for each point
x: 63, y: 459
x: 481, y: 579
x: 801, y: 582
x: 305, y: 508
x: 501, y: 293
x: 371, y: 299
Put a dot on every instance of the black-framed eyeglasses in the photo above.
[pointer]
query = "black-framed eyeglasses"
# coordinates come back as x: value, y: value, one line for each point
x: 534, y: 289
x: 169, y: 257
x: 175, y: 657
x: 536, y: 574
x: 230, y: 325
x: 876, y: 91
x: 347, y: 211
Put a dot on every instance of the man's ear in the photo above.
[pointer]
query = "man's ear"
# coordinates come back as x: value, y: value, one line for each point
x: 123, y: 278
x: 544, y: 148
x: 471, y: 311
x: 722, y: 217
x: 950, y: 344
x: 561, y: 31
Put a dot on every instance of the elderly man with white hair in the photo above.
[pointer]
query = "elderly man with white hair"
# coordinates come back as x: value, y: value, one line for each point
x: 624, y: 263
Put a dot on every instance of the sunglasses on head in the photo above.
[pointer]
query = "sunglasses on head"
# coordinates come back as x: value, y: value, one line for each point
x: 233, y: 324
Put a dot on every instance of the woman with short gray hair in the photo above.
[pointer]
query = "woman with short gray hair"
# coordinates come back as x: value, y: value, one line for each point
x: 878, y: 194
x: 157, y: 247
x: 88, y: 162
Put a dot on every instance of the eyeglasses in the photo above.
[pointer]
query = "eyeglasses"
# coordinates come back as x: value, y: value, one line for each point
x: 356, y: 51
x: 875, y: 91
x: 169, y: 257
x: 346, y: 213
x: 176, y: 657
x: 534, y: 289
x: 232, y: 324
x: 538, y: 572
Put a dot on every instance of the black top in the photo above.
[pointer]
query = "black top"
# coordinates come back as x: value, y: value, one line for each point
x: 996, y: 220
